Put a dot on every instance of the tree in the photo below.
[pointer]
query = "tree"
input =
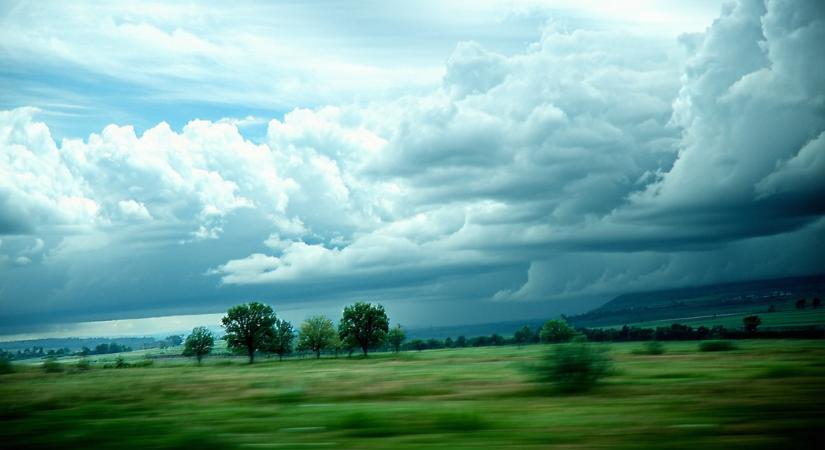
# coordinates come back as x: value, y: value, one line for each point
x: 396, y: 337
x: 199, y: 343
x: 449, y: 343
x: 461, y: 341
x: 751, y: 323
x: 364, y: 324
x: 281, y: 338
x: 174, y: 340
x: 248, y: 327
x: 801, y: 303
x: 317, y: 334
x: 556, y: 331
x: 816, y: 303
x: 418, y: 344
x: 523, y: 336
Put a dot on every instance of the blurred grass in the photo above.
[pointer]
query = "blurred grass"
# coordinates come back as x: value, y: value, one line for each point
x: 764, y: 394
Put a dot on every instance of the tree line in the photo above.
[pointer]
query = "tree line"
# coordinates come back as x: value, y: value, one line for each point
x: 254, y: 328
x: 39, y: 352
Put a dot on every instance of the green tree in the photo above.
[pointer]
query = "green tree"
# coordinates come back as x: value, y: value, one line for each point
x: 248, y: 327
x: 396, y: 337
x: 199, y: 343
x: 523, y: 336
x: 317, y: 334
x: 418, y: 344
x: 365, y: 324
x: 282, y: 336
x: 174, y: 340
x: 556, y: 331
x: 751, y: 323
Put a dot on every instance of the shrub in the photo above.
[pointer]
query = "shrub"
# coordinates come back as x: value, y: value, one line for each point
x: 120, y: 363
x: 50, y: 365
x: 574, y: 367
x: 651, y: 348
x: 6, y: 366
x: 84, y: 364
x: 716, y: 346
x: 751, y: 323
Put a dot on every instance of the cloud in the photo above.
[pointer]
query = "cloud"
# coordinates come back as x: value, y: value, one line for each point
x: 35, y: 186
x: 745, y: 107
x: 593, y: 161
x: 134, y: 209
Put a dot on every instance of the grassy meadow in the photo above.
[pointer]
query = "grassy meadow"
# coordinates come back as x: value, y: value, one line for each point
x: 784, y: 318
x: 764, y: 394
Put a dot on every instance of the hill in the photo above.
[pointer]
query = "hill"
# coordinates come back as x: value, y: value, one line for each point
x: 76, y: 344
x: 710, y: 301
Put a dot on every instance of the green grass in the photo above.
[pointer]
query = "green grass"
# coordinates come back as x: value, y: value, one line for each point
x: 761, y: 395
x: 783, y: 318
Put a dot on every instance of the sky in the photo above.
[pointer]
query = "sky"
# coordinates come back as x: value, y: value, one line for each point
x: 458, y: 162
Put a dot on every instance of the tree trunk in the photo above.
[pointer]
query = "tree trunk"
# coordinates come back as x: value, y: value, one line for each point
x: 199, y: 356
x: 251, y: 355
x: 317, y: 354
x: 364, y: 348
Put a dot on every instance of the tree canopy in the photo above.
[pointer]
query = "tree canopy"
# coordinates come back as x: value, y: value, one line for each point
x: 317, y: 334
x: 249, y: 327
x: 396, y: 337
x: 281, y: 339
x: 556, y: 331
x: 199, y: 343
x: 365, y: 324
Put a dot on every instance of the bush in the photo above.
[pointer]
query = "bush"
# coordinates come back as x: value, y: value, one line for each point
x: 716, y: 346
x: 84, y: 364
x: 120, y: 363
x: 574, y: 367
x: 6, y: 366
x: 50, y: 365
x: 651, y: 348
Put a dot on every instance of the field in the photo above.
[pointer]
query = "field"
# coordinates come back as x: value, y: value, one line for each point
x: 723, y: 300
x: 781, y: 319
x: 764, y: 394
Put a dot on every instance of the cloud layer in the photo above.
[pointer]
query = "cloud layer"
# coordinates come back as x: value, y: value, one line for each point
x: 594, y: 162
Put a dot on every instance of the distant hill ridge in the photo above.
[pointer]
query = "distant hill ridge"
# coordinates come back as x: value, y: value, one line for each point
x: 76, y: 344
x: 723, y: 298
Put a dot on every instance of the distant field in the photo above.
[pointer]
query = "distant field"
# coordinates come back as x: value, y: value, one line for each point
x: 673, y: 305
x: 788, y: 318
x: 764, y: 395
